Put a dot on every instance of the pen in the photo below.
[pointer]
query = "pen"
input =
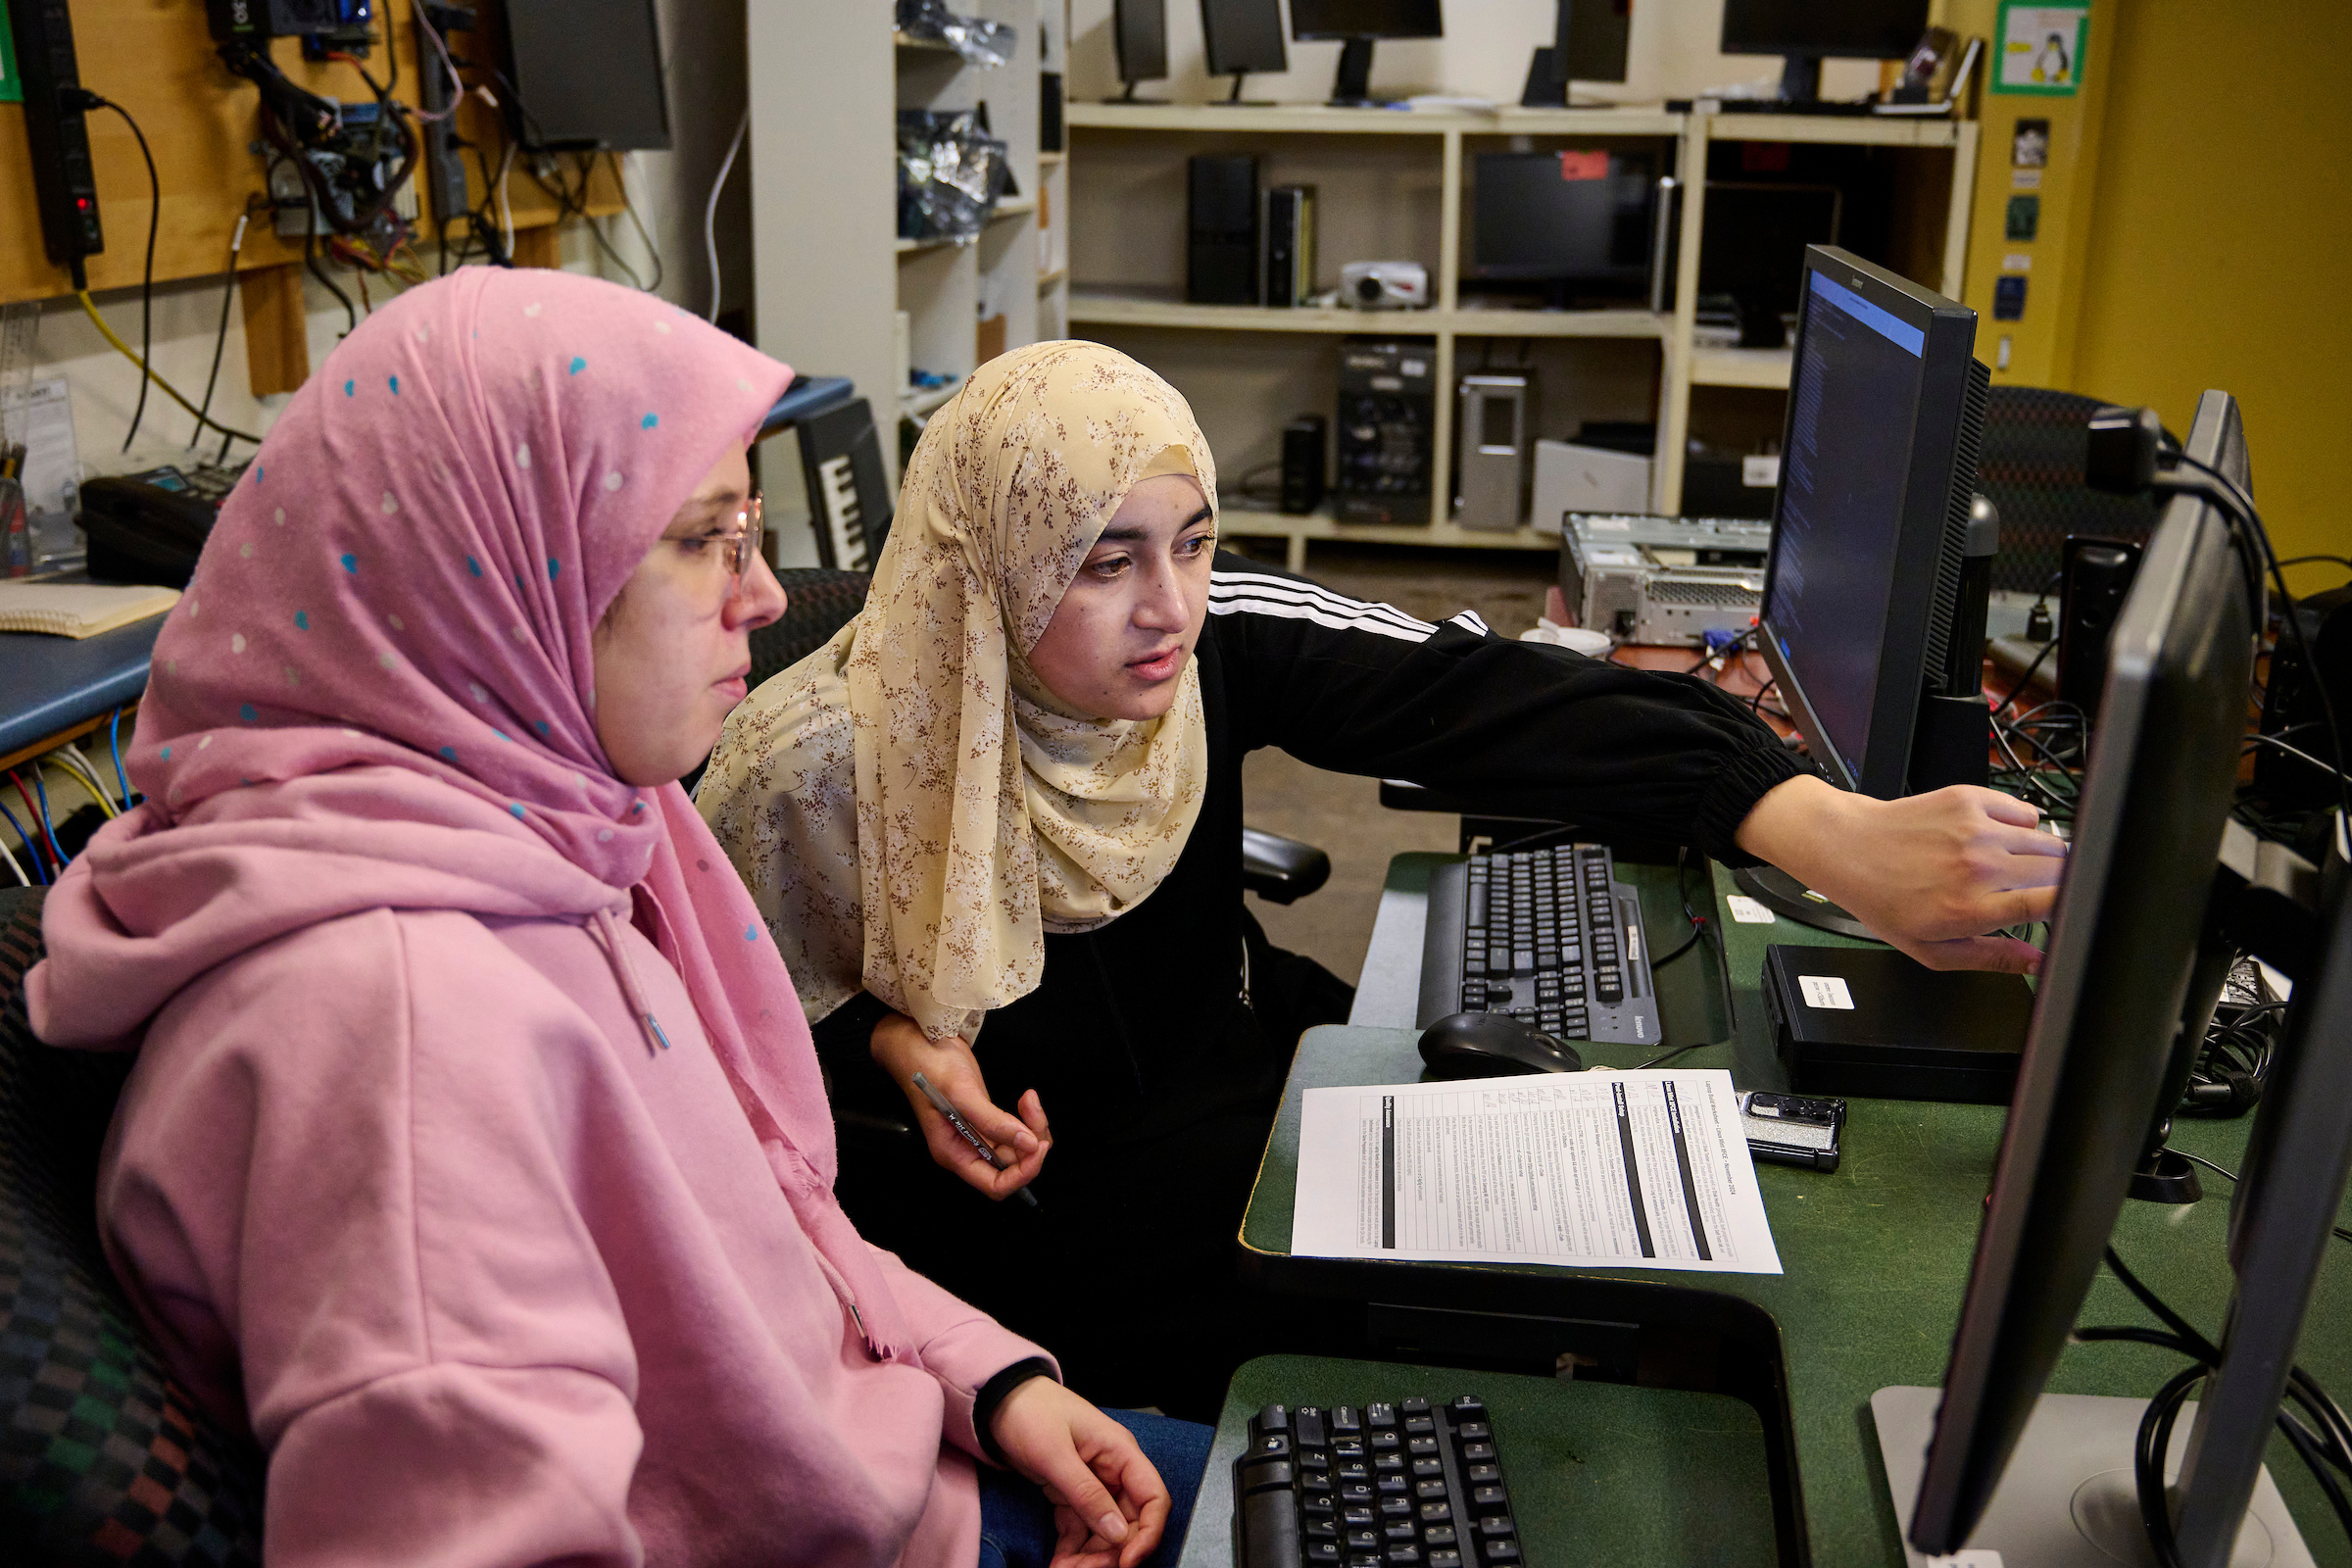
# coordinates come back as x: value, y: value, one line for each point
x: 939, y: 1102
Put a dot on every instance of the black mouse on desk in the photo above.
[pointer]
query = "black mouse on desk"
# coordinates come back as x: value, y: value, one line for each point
x: 1493, y: 1044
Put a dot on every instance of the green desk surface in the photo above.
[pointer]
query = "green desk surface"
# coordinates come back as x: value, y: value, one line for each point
x: 1876, y: 1255
x: 1586, y: 1462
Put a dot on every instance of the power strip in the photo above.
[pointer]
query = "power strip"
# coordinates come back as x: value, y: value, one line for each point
x: 57, y: 135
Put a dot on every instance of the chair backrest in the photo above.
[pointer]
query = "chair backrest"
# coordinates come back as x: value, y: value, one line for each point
x: 104, y: 1459
x: 2032, y: 468
x: 818, y: 601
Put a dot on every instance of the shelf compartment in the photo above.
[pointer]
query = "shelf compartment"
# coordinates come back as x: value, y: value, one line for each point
x: 1851, y: 131
x: 1248, y: 523
x: 1556, y: 323
x: 1126, y: 310
x: 1276, y: 119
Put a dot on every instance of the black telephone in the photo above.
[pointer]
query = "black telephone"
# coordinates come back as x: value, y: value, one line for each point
x: 150, y: 527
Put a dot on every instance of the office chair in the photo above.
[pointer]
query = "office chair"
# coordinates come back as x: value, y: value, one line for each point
x: 104, y: 1459
x: 2032, y: 468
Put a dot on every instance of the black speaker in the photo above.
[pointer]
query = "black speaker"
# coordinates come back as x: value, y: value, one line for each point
x: 1303, y: 443
x: 1290, y: 244
x: 1221, y: 262
x: 2096, y: 575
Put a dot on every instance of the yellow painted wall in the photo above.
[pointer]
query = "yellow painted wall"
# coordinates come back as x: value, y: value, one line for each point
x: 2219, y: 252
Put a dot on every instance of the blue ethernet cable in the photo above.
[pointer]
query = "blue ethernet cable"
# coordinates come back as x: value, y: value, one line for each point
x: 40, y: 874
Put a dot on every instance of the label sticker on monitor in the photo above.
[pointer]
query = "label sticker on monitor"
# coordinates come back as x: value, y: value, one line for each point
x: 1583, y: 163
x: 1748, y: 911
x: 1825, y: 991
x: 1760, y: 473
x: 1974, y: 1557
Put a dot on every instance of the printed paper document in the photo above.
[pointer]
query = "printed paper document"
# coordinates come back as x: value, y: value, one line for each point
x: 1588, y: 1169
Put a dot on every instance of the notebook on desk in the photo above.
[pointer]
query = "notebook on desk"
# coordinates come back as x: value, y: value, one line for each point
x: 78, y: 608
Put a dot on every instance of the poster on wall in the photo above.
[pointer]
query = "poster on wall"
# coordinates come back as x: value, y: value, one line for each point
x: 2040, y: 48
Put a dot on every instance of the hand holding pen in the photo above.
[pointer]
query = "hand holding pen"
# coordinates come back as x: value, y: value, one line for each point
x: 969, y: 1135
x: 963, y: 1129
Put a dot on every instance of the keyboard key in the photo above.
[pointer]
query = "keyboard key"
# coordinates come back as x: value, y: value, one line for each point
x: 1265, y: 1474
x: 1428, y: 1467
x: 1318, y: 1508
x: 1348, y: 1448
x: 1385, y: 1442
x: 1397, y: 1507
x: 1466, y: 1406
x: 1344, y: 1419
x: 1445, y: 1557
x: 1426, y: 1490
x: 1387, y: 1462
x: 1437, y: 1513
x: 1401, y: 1555
x: 1314, y: 1481
x: 1400, y: 1530
x: 1473, y: 1431
x: 1323, y: 1551
x: 1501, y: 1552
x: 1355, y: 1491
x: 1482, y: 1496
x: 1389, y: 1487
x: 1307, y: 1428
x: 1315, y: 1460
x: 1437, y: 1536
x: 1322, y: 1528
x: 1495, y: 1528
x: 1363, y: 1540
x: 1273, y: 1445
x: 1478, y: 1450
x: 1273, y: 1418
x: 1422, y: 1445
x: 1484, y: 1472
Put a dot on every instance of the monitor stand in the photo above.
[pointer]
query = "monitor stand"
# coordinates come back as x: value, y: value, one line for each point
x: 1351, y: 87
x: 1237, y: 101
x: 2067, y: 1498
x: 1782, y: 893
x: 1129, y: 97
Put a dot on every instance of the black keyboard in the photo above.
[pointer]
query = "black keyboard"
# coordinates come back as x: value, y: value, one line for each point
x: 1549, y: 936
x: 1408, y: 1484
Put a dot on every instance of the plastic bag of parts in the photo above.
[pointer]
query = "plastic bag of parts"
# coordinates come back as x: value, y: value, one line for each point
x: 981, y: 42
x: 951, y: 174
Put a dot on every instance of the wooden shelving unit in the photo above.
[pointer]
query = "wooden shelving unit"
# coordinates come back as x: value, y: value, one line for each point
x: 832, y: 274
x: 1394, y: 184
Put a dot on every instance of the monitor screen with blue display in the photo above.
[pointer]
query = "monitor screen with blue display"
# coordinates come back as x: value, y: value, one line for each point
x: 1877, y: 468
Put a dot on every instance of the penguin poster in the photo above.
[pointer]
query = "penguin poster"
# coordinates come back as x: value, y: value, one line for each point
x: 2040, y: 48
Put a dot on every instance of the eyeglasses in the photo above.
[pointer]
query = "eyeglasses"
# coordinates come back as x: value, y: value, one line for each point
x: 739, y: 550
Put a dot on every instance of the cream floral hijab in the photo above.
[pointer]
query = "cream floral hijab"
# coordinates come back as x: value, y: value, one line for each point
x: 910, y: 808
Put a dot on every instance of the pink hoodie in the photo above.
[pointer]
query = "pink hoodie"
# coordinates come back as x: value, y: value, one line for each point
x: 476, y: 1155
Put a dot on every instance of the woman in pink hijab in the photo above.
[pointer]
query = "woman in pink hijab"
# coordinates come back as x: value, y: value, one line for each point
x: 476, y: 1160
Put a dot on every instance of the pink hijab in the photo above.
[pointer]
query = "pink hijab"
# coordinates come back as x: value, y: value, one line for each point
x: 402, y: 590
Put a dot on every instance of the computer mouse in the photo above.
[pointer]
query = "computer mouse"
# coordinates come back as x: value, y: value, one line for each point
x: 1493, y: 1044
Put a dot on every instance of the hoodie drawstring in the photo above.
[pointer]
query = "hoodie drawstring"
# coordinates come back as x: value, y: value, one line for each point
x: 631, y: 989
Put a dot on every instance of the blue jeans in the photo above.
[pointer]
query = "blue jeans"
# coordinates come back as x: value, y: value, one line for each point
x: 1016, y: 1522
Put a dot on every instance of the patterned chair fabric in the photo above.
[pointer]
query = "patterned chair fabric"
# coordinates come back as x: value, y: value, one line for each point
x: 2035, y: 441
x: 819, y: 602
x: 104, y: 1460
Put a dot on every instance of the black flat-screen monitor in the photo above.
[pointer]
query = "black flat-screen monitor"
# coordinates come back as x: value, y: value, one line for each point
x: 1870, y: 522
x: 1323, y: 20
x: 1138, y: 33
x: 1243, y: 36
x: 1753, y: 248
x: 586, y: 73
x: 1358, y: 22
x: 1590, y: 41
x: 2114, y: 991
x: 1806, y: 32
x: 1575, y: 223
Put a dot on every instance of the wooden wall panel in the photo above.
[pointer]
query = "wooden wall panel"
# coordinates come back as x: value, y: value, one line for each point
x: 155, y: 57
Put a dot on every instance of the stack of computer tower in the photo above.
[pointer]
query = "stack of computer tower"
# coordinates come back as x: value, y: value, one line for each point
x: 1388, y: 423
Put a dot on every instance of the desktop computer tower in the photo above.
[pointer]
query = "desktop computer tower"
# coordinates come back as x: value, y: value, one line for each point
x: 1221, y: 259
x: 1497, y: 434
x: 1303, y: 448
x: 1388, y: 428
x: 1290, y: 244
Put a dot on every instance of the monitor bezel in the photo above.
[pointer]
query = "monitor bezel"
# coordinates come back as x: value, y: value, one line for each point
x: 530, y: 131
x: 1121, y: 10
x: 2133, y: 905
x: 1218, y: 65
x: 1312, y: 35
x: 1732, y: 43
x: 1607, y: 277
x: 1948, y: 331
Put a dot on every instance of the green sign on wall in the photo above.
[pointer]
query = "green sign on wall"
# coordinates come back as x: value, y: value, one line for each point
x: 11, y: 86
x: 2037, y: 48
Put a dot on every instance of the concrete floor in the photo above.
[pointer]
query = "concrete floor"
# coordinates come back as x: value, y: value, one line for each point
x: 1343, y: 814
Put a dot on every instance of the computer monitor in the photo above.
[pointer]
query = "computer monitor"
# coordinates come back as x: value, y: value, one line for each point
x: 1806, y: 32
x: 1753, y: 248
x: 586, y: 73
x: 2109, y: 1018
x: 1589, y: 43
x: 1138, y: 33
x: 1358, y: 23
x: 1871, y: 523
x: 1574, y: 224
x: 1241, y: 36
